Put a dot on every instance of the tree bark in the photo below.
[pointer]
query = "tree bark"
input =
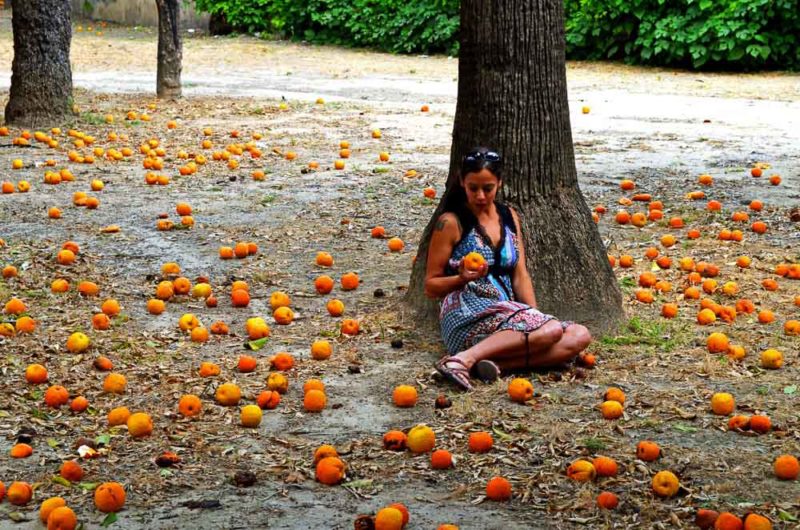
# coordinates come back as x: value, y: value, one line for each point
x: 41, y: 78
x: 512, y: 96
x: 170, y: 49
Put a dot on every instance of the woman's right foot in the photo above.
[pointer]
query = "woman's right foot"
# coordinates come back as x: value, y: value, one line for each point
x: 454, y: 370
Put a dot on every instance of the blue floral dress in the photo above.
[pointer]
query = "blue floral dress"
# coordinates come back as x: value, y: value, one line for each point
x: 486, y: 305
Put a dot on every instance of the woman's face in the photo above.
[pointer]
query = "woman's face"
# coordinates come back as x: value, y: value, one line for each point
x: 481, y: 188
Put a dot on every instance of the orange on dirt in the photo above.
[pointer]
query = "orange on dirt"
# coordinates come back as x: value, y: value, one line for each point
x: 759, y: 227
x: 740, y: 423
x: 611, y: 410
x: 35, y: 374
x: 282, y: 361
x: 647, y: 279
x: 109, y: 497
x: 101, y: 322
x: 335, y: 307
x: 756, y: 205
x: 728, y: 521
x: 330, y: 471
x: 240, y: 298
x: 404, y: 396
x: 226, y: 252
x: 498, y: 489
x: 65, y: 257
x: 350, y: 327
x: 627, y: 184
x: 279, y: 299
x: 323, y: 284
x: 268, y: 399
x: 605, y: 466
x: 395, y: 441
x: 771, y: 359
x: 314, y: 400
x: 638, y: 220
x: 321, y: 350
x: 581, y: 471
x: 324, y: 451
x: 87, y: 288
x: 378, y: 232
x: 664, y: 262
x: 219, y: 328
x: 21, y: 450
x: 480, y: 442
x: 228, y: 394
x: 140, y: 425
x: 19, y: 493
x: 79, y: 404
x: 313, y: 384
x: 520, y: 390
x: 188, y: 322
x: 118, y: 416
x: 59, y: 286
x: 760, y: 424
x: 692, y: 293
x: 165, y: 290
x: 441, y: 459
x: 669, y: 310
x: 622, y: 217
x: 717, y: 342
x: 15, y: 306
x: 754, y: 521
x: 110, y: 307
x: 665, y: 484
x: 705, y: 519
x: 607, y: 500
x: 190, y: 405
x: 714, y: 206
x: 756, y: 172
x: 71, y: 470
x: 183, y: 208
x: 736, y: 352
x: 791, y: 327
x: 769, y: 284
x: 115, y: 383
x: 241, y: 250
x: 246, y: 364
x: 706, y: 317
x: 199, y: 334
x: 250, y: 416
x: 614, y: 394
x: 722, y: 403
x: 155, y: 306
x: 277, y: 382
x: 56, y: 396
x: 651, y: 253
x: 395, y: 244
x: 668, y: 240
x: 647, y: 451
x: 181, y: 285
x: 421, y: 439
x: 349, y: 281
x: 745, y: 306
x: 256, y: 328
x: 283, y: 316
x: 389, y: 519
x: 786, y: 467
x: 765, y: 316
x: 645, y: 296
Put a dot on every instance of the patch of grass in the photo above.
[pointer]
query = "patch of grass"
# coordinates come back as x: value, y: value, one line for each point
x: 593, y: 444
x: 666, y: 335
x: 267, y: 199
x: 92, y: 118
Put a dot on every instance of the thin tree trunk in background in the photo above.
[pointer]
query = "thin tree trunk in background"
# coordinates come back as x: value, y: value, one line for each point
x: 512, y: 96
x: 41, y: 79
x: 170, y: 49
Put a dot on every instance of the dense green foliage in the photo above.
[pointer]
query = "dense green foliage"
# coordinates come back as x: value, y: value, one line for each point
x: 738, y: 34
x: 402, y: 26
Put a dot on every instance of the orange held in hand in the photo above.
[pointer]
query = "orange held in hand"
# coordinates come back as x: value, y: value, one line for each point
x: 474, y: 261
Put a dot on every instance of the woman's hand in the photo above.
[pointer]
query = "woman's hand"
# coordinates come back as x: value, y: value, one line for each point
x: 468, y: 275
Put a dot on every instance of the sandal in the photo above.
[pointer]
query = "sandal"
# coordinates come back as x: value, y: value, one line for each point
x: 486, y: 371
x: 459, y: 376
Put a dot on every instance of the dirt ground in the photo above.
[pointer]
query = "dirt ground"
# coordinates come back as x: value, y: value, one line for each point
x: 659, y: 128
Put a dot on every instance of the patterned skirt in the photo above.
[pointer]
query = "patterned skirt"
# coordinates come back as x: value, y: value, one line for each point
x: 500, y: 316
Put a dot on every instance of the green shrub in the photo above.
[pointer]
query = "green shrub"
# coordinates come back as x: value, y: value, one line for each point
x: 740, y: 34
x: 735, y: 34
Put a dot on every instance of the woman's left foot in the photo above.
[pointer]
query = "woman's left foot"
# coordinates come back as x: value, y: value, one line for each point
x: 486, y: 371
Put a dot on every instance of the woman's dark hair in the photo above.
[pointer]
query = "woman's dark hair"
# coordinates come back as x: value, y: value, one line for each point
x: 475, y: 160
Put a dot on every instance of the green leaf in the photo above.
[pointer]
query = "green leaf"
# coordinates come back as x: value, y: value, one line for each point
x: 165, y: 473
x: 88, y: 486
x: 256, y: 345
x: 786, y: 516
x: 58, y: 479
x: 109, y: 520
x: 682, y: 427
x: 151, y: 344
x: 103, y: 439
x: 791, y: 389
x: 501, y: 434
x: 356, y: 484
x: 52, y: 442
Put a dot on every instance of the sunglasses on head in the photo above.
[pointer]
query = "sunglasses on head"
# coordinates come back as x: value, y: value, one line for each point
x: 477, y: 156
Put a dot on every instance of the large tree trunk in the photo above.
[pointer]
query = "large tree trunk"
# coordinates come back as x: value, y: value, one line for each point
x: 512, y: 96
x: 41, y: 79
x: 170, y: 49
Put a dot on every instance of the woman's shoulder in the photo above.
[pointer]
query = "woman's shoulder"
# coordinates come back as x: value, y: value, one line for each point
x: 449, y: 222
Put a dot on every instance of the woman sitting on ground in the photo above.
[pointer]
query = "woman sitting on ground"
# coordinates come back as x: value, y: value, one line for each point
x: 488, y: 316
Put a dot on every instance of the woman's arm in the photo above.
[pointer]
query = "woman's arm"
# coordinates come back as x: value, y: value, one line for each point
x: 520, y: 279
x: 446, y: 235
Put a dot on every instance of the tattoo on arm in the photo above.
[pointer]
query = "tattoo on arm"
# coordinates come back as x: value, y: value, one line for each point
x: 440, y: 224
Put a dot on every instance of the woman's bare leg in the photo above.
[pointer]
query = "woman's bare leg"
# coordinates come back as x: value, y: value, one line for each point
x: 548, y: 346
